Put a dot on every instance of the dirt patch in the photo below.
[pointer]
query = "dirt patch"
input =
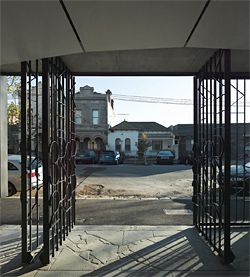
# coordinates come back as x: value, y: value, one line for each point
x: 92, y: 189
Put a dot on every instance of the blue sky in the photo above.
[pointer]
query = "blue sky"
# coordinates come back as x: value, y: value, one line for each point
x: 167, y: 87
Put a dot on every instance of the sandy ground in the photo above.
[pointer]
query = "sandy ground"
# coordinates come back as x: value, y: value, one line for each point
x: 130, y: 181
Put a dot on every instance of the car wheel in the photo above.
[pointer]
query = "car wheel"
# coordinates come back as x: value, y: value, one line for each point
x: 11, y: 189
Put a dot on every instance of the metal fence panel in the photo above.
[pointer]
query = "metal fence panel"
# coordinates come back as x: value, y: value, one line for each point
x: 48, y: 138
x: 214, y: 200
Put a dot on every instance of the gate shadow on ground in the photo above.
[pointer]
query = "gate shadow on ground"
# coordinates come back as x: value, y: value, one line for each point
x: 183, y: 253
x: 11, y: 256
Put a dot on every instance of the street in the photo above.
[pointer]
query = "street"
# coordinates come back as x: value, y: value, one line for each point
x: 124, y: 195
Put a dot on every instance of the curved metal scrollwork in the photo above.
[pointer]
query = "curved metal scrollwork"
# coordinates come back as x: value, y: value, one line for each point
x: 216, y: 145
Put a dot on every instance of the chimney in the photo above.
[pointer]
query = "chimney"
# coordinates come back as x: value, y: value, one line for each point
x: 109, y: 93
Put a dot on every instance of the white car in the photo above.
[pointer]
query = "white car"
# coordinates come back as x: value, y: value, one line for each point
x: 14, y: 173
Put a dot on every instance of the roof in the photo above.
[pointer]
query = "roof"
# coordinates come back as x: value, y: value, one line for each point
x: 183, y: 130
x: 140, y: 126
x: 187, y: 129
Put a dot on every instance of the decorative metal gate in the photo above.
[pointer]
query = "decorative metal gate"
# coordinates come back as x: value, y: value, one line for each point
x: 221, y: 181
x: 48, y: 152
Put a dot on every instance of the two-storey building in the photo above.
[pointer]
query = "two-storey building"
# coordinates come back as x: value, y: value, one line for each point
x: 94, y: 116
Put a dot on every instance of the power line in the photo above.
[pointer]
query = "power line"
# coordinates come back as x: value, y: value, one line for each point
x: 161, y: 100
x: 147, y: 99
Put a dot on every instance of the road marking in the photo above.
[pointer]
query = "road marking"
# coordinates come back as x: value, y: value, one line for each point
x: 178, y: 212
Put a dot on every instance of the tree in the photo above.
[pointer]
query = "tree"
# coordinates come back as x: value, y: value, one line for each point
x: 143, y: 145
x: 14, y: 87
x: 13, y: 113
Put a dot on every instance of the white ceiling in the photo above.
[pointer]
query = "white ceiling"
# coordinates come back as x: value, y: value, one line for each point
x: 34, y: 29
x: 106, y: 26
x: 225, y: 24
x: 124, y: 36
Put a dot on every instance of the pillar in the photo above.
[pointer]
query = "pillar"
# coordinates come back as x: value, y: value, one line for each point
x: 3, y: 138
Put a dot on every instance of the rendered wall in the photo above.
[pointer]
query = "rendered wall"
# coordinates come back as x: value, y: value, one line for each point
x: 3, y: 138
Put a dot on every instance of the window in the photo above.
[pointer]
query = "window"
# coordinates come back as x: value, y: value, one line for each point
x: 156, y: 145
x: 127, y: 145
x: 118, y: 145
x: 11, y: 166
x: 78, y: 117
x: 95, y: 117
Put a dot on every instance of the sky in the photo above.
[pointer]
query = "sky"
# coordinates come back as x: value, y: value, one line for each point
x: 166, y: 87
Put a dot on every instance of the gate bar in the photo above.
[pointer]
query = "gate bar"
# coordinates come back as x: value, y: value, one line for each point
x: 228, y: 255
x: 45, y: 256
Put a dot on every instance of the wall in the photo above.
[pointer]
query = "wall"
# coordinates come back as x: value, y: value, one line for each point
x: 3, y: 138
x: 86, y: 101
x: 133, y: 135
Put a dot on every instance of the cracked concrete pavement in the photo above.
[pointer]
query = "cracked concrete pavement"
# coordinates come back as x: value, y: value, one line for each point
x: 127, y: 251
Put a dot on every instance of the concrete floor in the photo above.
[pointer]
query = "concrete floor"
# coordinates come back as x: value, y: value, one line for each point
x: 128, y: 251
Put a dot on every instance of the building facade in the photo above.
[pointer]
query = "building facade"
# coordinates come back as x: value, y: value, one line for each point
x: 94, y: 116
x: 125, y: 136
x: 240, y: 141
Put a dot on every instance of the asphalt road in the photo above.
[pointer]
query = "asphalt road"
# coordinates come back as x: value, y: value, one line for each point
x: 114, y: 212
x: 129, y: 195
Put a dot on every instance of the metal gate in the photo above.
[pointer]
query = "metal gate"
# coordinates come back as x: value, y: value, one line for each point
x: 220, y: 176
x: 48, y: 152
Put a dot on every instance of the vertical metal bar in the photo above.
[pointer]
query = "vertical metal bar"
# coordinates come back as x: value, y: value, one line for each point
x: 45, y: 258
x: 203, y: 154
x: 24, y: 159
x: 73, y: 178
x: 52, y: 156
x: 211, y: 150
x: 206, y: 153
x: 37, y: 157
x: 236, y: 144
x: 228, y: 255
x: 195, y: 177
x: 221, y: 148
x: 200, y: 153
x: 215, y: 157
x: 246, y: 185
x: 30, y: 160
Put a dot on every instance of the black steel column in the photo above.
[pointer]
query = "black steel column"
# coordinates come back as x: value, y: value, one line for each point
x: 195, y: 154
x: 45, y: 257
x: 228, y: 255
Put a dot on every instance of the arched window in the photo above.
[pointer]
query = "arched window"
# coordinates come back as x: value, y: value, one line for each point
x: 127, y: 145
x: 118, y: 145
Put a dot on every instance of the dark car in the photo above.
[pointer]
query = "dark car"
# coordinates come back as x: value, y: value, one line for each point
x: 87, y: 157
x: 109, y: 157
x: 239, y: 178
x: 165, y: 157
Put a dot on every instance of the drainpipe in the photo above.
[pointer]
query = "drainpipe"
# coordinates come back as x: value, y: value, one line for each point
x: 3, y: 138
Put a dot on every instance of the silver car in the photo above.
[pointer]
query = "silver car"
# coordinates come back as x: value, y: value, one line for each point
x: 14, y: 173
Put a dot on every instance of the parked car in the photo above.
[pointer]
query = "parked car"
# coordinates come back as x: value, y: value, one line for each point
x: 110, y: 157
x: 239, y: 172
x: 87, y: 157
x: 165, y: 157
x: 239, y: 178
x: 14, y: 173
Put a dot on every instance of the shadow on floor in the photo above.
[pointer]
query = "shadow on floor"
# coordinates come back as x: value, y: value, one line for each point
x: 181, y: 253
